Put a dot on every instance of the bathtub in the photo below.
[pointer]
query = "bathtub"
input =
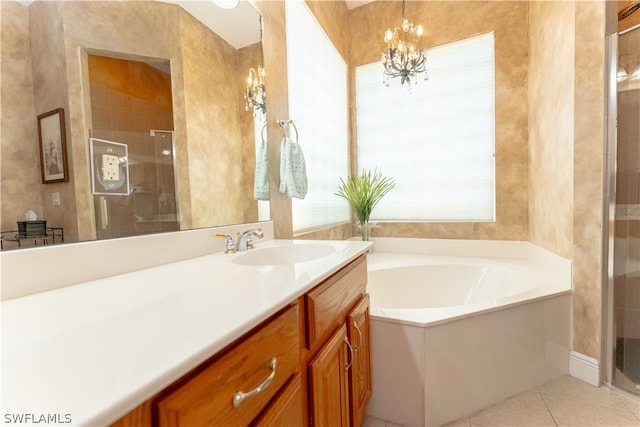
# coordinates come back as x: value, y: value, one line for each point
x: 458, y: 326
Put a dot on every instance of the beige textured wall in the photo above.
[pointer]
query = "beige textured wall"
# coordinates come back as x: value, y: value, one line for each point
x: 445, y: 22
x: 20, y: 189
x: 551, y: 116
x: 22, y: 100
x: 566, y: 150
x: 213, y: 138
x: 588, y: 165
x: 333, y: 17
x: 49, y: 89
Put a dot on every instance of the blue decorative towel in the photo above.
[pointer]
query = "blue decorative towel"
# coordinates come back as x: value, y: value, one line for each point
x: 261, y: 181
x: 293, y: 171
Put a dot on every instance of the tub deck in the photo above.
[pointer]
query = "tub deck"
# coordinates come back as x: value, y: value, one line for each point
x: 549, y: 283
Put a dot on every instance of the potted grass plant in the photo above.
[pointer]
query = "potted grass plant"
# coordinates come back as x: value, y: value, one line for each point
x: 363, y: 192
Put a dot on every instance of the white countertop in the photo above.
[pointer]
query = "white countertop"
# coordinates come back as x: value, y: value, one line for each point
x: 88, y: 354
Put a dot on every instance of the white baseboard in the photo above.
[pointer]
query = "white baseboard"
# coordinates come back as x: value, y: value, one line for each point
x: 584, y: 368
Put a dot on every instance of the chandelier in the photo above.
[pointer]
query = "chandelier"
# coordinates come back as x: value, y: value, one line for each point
x: 403, y: 56
x: 255, y: 95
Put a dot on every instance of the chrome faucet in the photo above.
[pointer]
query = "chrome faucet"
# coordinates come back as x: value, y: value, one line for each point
x: 244, y: 241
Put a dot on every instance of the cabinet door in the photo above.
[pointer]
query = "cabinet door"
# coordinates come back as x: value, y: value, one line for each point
x: 328, y: 383
x: 360, y: 370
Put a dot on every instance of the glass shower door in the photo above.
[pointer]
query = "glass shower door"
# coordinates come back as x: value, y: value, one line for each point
x: 149, y: 206
x: 626, y: 251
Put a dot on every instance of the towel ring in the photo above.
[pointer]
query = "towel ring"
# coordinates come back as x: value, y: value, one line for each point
x: 283, y: 123
x: 262, y: 135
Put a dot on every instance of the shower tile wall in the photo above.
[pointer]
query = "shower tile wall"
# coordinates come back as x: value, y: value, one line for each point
x: 128, y: 98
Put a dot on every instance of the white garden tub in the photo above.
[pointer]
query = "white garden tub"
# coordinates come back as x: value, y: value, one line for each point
x: 454, y: 334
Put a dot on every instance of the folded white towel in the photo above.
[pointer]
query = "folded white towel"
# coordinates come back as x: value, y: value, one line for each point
x: 261, y: 181
x: 293, y: 171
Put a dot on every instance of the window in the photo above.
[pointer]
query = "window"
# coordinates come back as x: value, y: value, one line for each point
x: 317, y: 77
x: 436, y: 142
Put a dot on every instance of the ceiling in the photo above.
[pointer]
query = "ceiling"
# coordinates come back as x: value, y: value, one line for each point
x: 240, y: 27
x: 228, y: 23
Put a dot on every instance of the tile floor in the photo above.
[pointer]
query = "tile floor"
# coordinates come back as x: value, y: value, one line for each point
x: 564, y: 402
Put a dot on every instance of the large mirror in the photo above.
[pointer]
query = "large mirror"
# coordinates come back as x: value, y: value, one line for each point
x: 156, y: 135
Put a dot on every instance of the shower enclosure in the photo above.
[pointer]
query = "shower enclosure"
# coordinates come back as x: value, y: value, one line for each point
x: 624, y: 236
x: 131, y: 106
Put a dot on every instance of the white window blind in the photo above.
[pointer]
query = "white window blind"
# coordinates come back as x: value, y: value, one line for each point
x: 317, y: 77
x: 436, y: 142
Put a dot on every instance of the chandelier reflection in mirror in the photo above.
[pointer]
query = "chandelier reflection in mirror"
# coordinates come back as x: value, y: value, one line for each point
x: 403, y: 56
x: 255, y: 95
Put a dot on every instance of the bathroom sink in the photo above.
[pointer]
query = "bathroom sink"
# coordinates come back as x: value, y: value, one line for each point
x: 284, y: 254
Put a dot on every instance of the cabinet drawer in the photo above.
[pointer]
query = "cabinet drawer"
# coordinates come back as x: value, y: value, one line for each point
x: 328, y: 304
x: 207, y: 397
x: 286, y: 410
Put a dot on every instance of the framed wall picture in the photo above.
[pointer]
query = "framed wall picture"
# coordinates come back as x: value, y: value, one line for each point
x: 53, y: 146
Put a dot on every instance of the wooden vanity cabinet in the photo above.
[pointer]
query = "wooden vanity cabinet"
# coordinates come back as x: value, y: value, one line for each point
x: 259, y: 367
x: 338, y: 343
x: 358, y: 332
x: 321, y: 377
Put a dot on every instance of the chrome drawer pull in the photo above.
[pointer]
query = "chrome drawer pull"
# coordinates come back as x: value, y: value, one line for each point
x: 239, y: 397
x: 356, y: 348
x: 346, y: 340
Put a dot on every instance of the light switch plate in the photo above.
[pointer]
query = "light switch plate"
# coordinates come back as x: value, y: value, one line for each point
x: 55, y: 198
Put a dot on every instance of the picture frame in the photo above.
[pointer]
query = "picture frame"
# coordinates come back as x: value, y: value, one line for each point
x: 53, y: 147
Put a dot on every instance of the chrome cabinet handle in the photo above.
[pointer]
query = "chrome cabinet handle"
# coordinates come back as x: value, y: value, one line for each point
x: 355, y: 325
x: 239, y: 397
x: 351, y: 351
